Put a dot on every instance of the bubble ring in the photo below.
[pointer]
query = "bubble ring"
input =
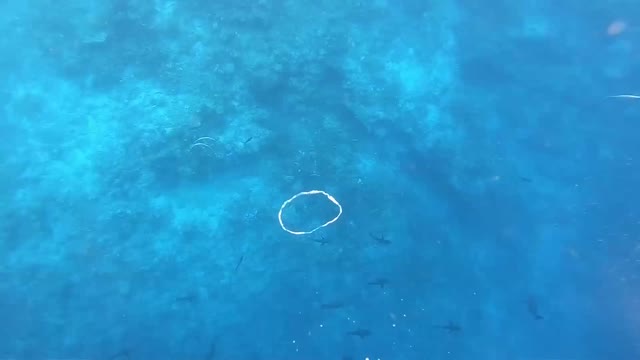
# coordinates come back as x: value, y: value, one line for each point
x: 305, y: 193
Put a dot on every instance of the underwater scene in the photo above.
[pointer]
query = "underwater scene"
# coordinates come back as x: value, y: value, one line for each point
x: 319, y: 180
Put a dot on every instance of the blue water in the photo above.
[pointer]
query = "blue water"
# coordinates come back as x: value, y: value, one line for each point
x: 489, y: 184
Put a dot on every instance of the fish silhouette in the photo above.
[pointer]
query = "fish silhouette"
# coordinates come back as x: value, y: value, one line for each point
x: 450, y: 327
x: 321, y: 241
x: 382, y: 282
x: 239, y: 263
x: 532, y: 306
x: 332, y: 305
x: 120, y: 355
x: 380, y: 239
x: 188, y: 298
x: 361, y: 333
x: 213, y: 349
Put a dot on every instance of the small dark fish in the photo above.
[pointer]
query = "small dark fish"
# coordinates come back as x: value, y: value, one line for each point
x: 382, y: 282
x: 525, y: 179
x: 121, y: 355
x: 450, y: 327
x: 332, y: 305
x: 361, y: 333
x: 211, y: 354
x: 532, y: 306
x: 380, y: 239
x: 321, y: 241
x: 248, y: 140
x: 239, y: 263
x: 188, y: 298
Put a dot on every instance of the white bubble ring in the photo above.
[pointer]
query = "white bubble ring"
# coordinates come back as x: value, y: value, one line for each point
x: 305, y: 193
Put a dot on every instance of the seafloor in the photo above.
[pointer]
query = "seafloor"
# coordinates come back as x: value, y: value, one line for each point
x: 489, y: 185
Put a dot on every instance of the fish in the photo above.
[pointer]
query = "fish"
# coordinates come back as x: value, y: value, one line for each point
x: 248, y: 140
x: 188, y: 298
x: 380, y: 239
x: 321, y: 241
x: 120, y: 355
x: 239, y: 263
x: 450, y: 327
x: 532, y: 306
x: 361, y: 333
x: 332, y: 305
x: 382, y: 282
x: 211, y: 354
